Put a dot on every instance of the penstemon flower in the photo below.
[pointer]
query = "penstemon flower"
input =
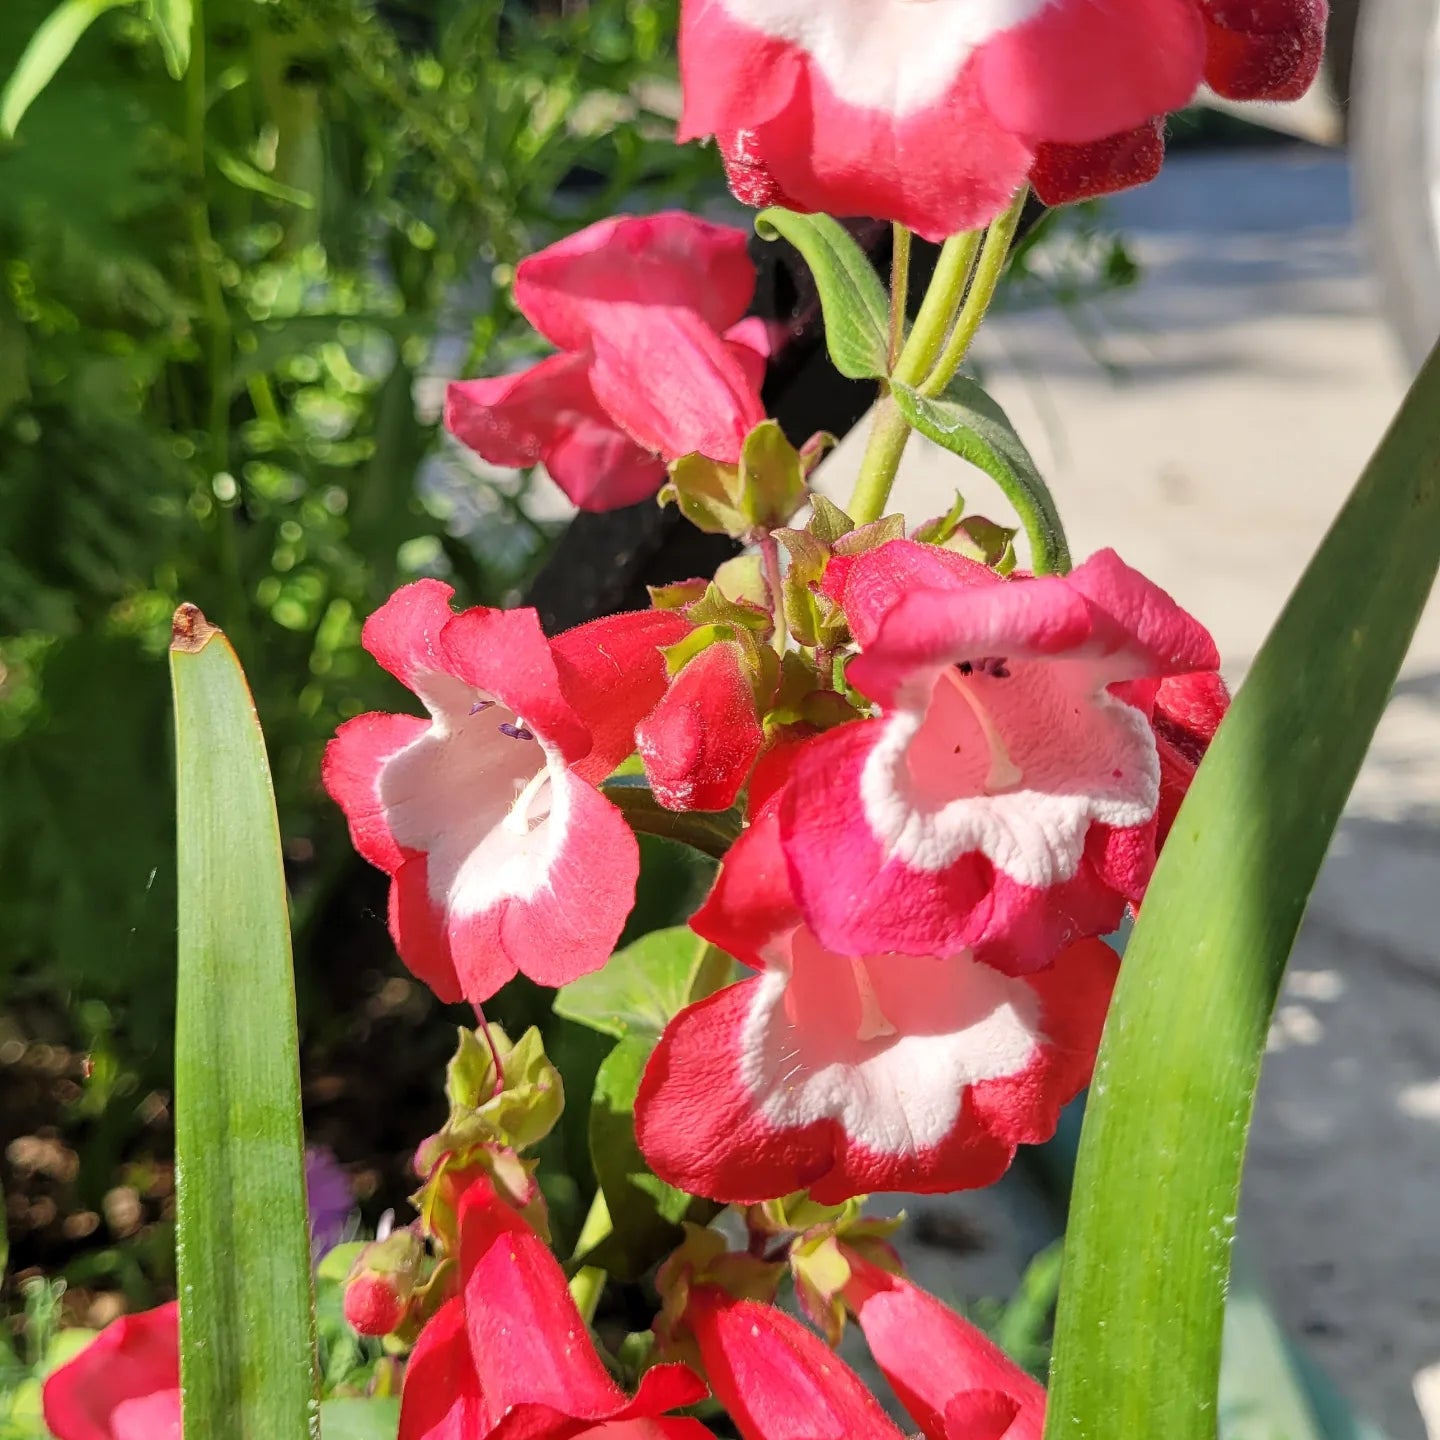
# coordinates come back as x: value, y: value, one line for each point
x: 626, y: 301
x: 933, y: 114
x: 510, y: 1355
x: 503, y: 857
x: 1005, y: 800
x: 843, y: 1075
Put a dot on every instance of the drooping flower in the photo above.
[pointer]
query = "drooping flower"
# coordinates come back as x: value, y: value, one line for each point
x: 956, y: 1378
x: 776, y: 1379
x: 125, y: 1385
x: 503, y: 856
x: 842, y: 1075
x: 779, y: 1381
x: 655, y: 359
x: 1005, y: 800
x: 510, y: 1356
x: 934, y: 114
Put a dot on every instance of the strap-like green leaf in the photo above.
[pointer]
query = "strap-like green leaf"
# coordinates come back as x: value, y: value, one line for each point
x: 247, y: 1340
x: 49, y: 48
x: 857, y: 311
x: 968, y: 423
x: 1147, y: 1257
x: 172, y: 21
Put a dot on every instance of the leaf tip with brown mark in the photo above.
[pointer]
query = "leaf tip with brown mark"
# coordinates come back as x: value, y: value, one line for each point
x: 190, y: 631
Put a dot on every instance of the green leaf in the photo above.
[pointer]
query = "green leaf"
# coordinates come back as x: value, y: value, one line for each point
x: 712, y: 832
x: 968, y: 423
x: 172, y: 21
x: 644, y: 985
x: 857, y: 311
x: 49, y: 48
x: 247, y: 177
x: 645, y: 1212
x: 1147, y: 1256
x: 247, y: 1352
x: 354, y: 1419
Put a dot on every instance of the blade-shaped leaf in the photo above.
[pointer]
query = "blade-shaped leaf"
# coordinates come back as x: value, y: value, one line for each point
x: 172, y: 21
x: 1147, y: 1256
x: 968, y: 423
x: 856, y: 309
x: 246, y: 1318
x: 49, y: 48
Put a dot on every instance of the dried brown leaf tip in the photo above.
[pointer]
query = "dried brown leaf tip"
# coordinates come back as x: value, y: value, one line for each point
x: 190, y: 631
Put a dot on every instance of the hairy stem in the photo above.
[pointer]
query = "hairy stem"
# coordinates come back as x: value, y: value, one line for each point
x: 899, y: 289
x: 889, y: 430
x: 993, y: 255
x: 770, y: 559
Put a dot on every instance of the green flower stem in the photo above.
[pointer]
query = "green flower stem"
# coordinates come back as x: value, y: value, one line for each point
x: 588, y: 1283
x: 993, y: 255
x: 890, y: 430
x: 899, y: 290
x: 939, y: 307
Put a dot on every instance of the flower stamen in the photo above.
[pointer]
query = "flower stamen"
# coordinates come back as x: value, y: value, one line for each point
x: 1004, y: 773
x: 874, y: 1023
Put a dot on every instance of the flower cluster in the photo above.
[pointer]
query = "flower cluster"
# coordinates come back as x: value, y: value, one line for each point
x: 934, y: 781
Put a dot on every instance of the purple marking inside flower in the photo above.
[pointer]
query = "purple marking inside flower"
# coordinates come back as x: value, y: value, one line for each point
x: 516, y: 732
x: 480, y: 705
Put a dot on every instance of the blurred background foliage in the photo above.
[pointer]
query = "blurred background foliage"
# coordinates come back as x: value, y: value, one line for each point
x: 226, y: 305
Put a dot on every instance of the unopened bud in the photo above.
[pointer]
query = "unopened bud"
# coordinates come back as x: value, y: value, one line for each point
x: 382, y: 1280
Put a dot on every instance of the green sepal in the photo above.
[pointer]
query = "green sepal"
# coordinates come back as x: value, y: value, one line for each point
x: 980, y: 539
x: 942, y: 527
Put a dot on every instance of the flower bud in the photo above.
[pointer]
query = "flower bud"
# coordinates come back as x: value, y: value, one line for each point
x: 377, y: 1294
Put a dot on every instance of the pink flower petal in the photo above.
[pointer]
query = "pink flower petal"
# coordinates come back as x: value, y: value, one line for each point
x: 673, y: 260
x: 707, y: 403
x: 350, y: 772
x: 699, y: 742
x: 1062, y: 174
x: 1083, y: 69
x: 549, y: 414
x: 776, y: 1379
x: 441, y: 1399
x: 129, y: 1375
x: 1263, y: 49
x: 951, y: 1383
x: 612, y: 672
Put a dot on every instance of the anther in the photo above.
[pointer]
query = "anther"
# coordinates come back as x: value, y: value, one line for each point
x: 516, y: 732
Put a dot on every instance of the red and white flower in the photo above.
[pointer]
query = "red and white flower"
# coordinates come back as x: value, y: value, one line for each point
x: 655, y: 359
x: 509, y: 1356
x: 933, y: 114
x: 503, y: 856
x: 843, y: 1075
x: 1005, y: 800
x: 125, y: 1385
